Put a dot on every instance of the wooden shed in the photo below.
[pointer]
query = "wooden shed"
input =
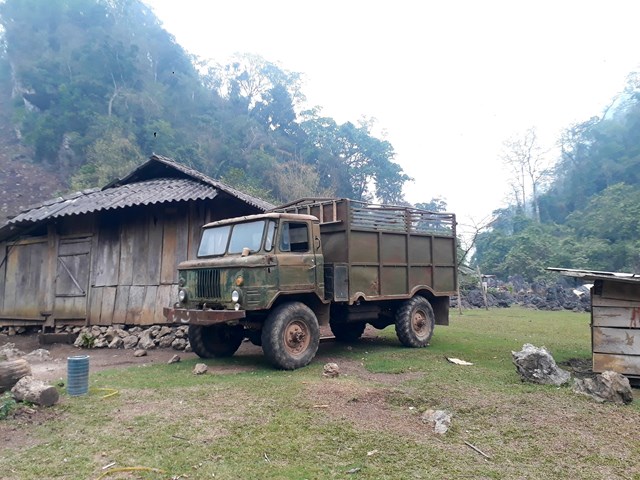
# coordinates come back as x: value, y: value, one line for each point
x: 615, y: 320
x: 109, y: 255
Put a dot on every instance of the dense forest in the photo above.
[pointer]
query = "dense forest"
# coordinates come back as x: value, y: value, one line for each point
x: 584, y: 211
x: 99, y: 85
x: 96, y: 86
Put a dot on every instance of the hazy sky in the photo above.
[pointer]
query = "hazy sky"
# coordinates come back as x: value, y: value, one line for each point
x: 448, y: 81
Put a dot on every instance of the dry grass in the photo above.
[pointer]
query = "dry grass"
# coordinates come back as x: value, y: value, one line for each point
x: 261, y: 423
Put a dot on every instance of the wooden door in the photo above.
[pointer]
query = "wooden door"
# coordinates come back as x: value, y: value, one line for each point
x: 25, y: 281
x: 72, y: 278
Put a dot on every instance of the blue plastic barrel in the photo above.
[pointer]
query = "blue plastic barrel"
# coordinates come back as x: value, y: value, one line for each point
x: 78, y: 375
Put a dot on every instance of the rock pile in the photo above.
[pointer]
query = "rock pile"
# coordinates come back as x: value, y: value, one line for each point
x: 119, y: 336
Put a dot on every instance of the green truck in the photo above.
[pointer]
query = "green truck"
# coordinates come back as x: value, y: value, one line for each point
x: 276, y: 277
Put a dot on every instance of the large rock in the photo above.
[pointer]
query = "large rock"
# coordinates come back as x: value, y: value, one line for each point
x: 536, y: 365
x: 440, y: 420
x: 35, y: 391
x: 606, y: 387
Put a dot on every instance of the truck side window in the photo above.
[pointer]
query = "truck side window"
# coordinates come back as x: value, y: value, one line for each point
x: 294, y: 237
x: 271, y: 230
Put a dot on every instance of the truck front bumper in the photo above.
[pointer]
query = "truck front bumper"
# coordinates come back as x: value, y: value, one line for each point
x: 201, y: 317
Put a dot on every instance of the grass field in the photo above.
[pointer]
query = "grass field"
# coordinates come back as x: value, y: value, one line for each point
x: 259, y: 423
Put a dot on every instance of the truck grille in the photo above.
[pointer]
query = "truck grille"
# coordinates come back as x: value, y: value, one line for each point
x: 208, y: 283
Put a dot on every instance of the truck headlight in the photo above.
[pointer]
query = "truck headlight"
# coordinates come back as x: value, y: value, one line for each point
x: 235, y: 296
x: 182, y: 295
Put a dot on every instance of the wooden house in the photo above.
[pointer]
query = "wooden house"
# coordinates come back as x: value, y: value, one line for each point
x: 109, y: 255
x: 615, y: 320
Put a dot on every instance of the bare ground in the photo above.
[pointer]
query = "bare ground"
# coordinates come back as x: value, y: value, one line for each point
x: 104, y: 358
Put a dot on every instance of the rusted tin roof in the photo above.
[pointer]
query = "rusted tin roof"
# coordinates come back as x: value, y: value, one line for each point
x: 159, y: 180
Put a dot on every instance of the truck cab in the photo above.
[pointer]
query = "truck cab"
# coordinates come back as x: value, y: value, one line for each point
x: 244, y: 268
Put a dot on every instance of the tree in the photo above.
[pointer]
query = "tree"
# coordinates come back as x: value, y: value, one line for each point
x: 528, y: 162
x: 436, y: 204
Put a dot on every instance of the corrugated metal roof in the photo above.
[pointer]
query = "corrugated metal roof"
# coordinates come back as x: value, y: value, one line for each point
x: 249, y: 199
x: 148, y: 192
x: 598, y: 275
x: 158, y: 180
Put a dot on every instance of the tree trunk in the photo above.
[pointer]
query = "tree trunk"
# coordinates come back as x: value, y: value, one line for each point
x: 11, y: 371
x: 35, y: 391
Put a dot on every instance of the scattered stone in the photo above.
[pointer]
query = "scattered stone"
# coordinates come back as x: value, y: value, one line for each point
x: 146, y: 341
x: 85, y: 339
x: 606, y: 387
x: 174, y: 359
x: 166, y: 340
x: 331, y: 370
x: 536, y: 365
x: 164, y: 331
x: 39, y: 355
x: 9, y: 351
x: 440, y: 420
x: 140, y: 353
x: 110, y: 334
x: 179, y: 344
x: 200, y: 369
x: 100, y: 342
x: 130, y: 341
x: 117, y: 342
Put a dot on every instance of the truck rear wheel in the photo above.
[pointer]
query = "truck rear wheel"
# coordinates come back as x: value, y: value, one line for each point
x: 215, y: 341
x: 347, y: 332
x: 414, y: 322
x: 290, y: 336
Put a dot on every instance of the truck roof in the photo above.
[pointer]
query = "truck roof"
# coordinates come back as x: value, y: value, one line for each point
x: 261, y: 216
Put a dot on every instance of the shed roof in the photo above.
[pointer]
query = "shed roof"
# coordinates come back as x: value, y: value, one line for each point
x: 159, y: 180
x: 598, y: 275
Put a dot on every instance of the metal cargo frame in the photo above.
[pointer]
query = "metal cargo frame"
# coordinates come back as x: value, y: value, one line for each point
x: 383, y: 252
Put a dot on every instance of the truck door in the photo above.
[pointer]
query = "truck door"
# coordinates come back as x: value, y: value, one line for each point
x: 296, y: 260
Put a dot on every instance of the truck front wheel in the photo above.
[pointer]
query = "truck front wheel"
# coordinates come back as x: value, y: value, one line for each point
x: 215, y: 341
x: 290, y: 336
x: 414, y: 322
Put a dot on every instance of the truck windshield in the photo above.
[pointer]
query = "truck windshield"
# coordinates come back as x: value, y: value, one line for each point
x: 234, y: 238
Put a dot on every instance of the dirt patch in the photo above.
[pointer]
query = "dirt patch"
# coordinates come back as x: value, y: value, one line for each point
x: 352, y: 368
x: 366, y: 408
x: 104, y: 358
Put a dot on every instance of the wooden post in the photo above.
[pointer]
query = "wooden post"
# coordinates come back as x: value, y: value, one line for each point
x: 483, y: 289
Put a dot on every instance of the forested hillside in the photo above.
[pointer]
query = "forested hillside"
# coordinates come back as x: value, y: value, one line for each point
x: 587, y: 215
x: 96, y: 86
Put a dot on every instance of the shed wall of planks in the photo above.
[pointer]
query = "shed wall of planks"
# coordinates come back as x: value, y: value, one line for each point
x: 125, y: 262
x: 615, y: 327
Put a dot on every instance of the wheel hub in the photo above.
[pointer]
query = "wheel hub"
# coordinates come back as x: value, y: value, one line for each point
x: 419, y: 323
x: 296, y: 337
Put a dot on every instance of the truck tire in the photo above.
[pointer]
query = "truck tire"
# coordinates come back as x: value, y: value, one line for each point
x: 215, y: 341
x: 290, y: 336
x: 11, y: 371
x: 415, y: 321
x: 347, y: 332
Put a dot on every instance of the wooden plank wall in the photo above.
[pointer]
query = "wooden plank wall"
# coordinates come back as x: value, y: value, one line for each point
x: 133, y: 261
x: 615, y: 328
x: 4, y: 246
x: 25, y: 279
x: 136, y: 260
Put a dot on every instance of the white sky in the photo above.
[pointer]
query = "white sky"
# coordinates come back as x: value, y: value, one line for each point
x: 448, y: 81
